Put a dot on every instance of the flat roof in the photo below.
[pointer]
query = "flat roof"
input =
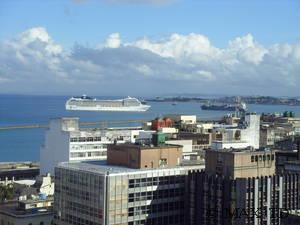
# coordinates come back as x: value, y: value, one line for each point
x: 241, y: 151
x: 101, y: 167
x: 8, y: 166
x: 141, y: 146
x: 11, y: 209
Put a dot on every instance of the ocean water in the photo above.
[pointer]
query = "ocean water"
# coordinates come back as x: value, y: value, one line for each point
x: 24, y: 144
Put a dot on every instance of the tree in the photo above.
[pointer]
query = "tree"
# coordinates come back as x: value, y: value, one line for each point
x: 6, y: 192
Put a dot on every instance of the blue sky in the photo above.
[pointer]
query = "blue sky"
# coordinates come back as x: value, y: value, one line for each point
x: 273, y: 27
x: 90, y: 21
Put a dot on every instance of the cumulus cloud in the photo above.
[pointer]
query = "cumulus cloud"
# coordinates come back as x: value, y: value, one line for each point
x: 113, y: 41
x: 33, y: 62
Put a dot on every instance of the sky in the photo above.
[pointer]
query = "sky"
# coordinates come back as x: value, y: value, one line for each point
x: 150, y: 47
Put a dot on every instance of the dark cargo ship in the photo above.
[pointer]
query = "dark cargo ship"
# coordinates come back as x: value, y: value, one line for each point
x: 241, y: 107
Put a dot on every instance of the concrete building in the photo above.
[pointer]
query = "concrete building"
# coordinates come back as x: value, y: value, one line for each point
x: 241, y: 188
x: 219, y: 200
x: 65, y: 141
x: 240, y: 163
x: 243, y: 135
x: 200, y: 141
x: 283, y: 157
x: 144, y: 156
x: 293, y: 122
x: 187, y: 147
x: 87, y: 193
x: 183, y: 119
x: 27, y: 212
x: 18, y: 171
x: 267, y: 136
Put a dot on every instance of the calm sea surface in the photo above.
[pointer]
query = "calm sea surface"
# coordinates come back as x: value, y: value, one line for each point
x: 24, y: 144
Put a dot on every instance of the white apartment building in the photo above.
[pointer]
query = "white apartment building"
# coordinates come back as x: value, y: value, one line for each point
x: 65, y: 142
x: 245, y: 134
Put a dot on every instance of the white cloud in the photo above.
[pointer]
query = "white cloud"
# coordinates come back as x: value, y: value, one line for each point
x: 33, y: 61
x: 190, y: 47
x: 113, y: 41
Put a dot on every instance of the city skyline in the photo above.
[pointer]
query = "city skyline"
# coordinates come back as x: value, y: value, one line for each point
x: 149, y: 47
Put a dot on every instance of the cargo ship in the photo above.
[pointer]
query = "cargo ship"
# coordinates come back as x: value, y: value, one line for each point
x: 241, y: 107
x: 87, y: 103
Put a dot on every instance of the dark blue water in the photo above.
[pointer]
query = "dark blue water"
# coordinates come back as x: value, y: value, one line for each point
x: 24, y: 144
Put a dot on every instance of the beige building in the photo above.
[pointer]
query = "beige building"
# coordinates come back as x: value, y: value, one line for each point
x: 240, y: 163
x: 144, y: 156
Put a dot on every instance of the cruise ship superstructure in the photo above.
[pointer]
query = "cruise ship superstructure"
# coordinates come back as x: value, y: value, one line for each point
x: 86, y: 103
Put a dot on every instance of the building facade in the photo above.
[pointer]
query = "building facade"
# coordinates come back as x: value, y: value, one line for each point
x: 240, y: 187
x: 90, y: 194
x: 240, y: 163
x: 139, y: 156
x: 242, y: 135
x: 65, y: 141
x: 219, y: 200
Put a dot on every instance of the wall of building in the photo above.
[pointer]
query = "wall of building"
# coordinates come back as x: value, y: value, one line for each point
x: 161, y: 157
x: 65, y: 141
x: 138, y: 156
x: 130, y: 197
x: 218, y: 200
x: 187, y: 145
x: 251, y: 133
x: 55, y: 148
x: 240, y: 164
x: 79, y: 196
x: 219, y: 145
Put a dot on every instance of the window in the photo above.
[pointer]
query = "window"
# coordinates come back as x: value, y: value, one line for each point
x: 163, y: 162
x: 252, y: 158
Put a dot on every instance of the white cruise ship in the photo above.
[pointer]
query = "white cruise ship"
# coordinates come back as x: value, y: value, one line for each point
x: 87, y: 103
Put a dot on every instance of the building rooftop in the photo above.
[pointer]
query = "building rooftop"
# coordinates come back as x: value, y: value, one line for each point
x: 13, y: 209
x: 10, y: 166
x: 148, y: 146
x: 243, y: 150
x: 101, y: 167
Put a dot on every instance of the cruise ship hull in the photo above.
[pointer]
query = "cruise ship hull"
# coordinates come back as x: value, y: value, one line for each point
x: 142, y: 108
